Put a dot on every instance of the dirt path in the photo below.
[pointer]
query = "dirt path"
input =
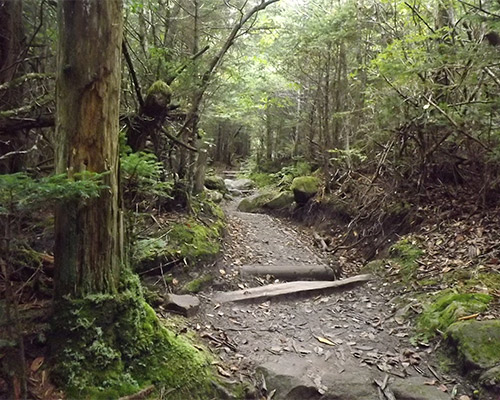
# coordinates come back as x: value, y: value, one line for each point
x: 328, y: 346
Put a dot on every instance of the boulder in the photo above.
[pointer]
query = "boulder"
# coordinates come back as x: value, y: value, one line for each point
x: 184, y: 304
x: 282, y: 200
x: 255, y: 202
x: 304, y: 187
x: 239, y: 184
x: 214, y: 182
x: 477, y: 343
x: 214, y: 195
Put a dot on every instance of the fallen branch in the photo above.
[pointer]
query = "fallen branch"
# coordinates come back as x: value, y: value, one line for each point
x: 290, y: 271
x: 320, y: 241
x: 279, y: 289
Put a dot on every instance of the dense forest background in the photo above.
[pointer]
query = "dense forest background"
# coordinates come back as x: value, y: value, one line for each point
x: 393, y: 105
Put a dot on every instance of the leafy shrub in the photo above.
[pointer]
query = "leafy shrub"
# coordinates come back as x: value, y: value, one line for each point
x: 143, y: 177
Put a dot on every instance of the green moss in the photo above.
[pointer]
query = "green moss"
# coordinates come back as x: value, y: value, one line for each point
x: 196, y: 285
x: 159, y: 87
x: 107, y: 346
x: 254, y: 203
x: 263, y: 179
x: 306, y: 184
x: 445, y: 309
x: 214, y: 182
x: 477, y: 343
x: 406, y: 253
x: 279, y: 201
x: 195, y: 239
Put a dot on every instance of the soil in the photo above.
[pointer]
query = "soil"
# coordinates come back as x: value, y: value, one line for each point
x: 334, y: 342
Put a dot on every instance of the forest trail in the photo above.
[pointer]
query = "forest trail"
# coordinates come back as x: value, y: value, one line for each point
x: 335, y: 345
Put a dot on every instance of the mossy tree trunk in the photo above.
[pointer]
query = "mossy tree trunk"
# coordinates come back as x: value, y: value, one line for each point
x: 88, y: 246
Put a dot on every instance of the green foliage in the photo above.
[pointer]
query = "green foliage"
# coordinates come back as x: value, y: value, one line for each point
x: 143, y: 176
x: 21, y: 192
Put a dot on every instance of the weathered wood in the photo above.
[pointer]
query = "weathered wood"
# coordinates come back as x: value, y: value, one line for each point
x: 314, y: 271
x: 278, y: 289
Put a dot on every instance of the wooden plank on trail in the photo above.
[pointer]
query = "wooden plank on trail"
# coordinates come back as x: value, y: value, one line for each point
x: 313, y: 271
x: 278, y: 289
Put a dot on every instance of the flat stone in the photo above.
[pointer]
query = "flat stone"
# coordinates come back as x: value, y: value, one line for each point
x: 414, y: 388
x: 184, y: 304
x: 297, y: 378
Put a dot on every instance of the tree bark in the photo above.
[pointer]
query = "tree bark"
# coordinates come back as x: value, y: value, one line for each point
x: 11, y: 46
x: 88, y: 247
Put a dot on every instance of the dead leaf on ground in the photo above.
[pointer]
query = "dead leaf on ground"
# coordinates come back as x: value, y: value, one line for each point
x: 324, y: 341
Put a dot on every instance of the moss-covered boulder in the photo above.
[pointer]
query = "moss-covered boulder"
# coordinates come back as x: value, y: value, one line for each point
x: 214, y: 182
x: 304, y: 187
x: 477, y: 343
x: 281, y: 200
x: 446, y: 308
x: 256, y: 202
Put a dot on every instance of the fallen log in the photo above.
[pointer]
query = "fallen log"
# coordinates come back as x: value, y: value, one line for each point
x: 314, y: 271
x: 278, y: 289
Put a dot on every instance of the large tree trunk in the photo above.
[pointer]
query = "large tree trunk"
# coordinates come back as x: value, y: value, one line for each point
x: 88, y: 246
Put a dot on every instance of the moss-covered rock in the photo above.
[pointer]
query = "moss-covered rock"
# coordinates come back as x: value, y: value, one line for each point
x: 281, y: 200
x: 477, y: 343
x: 304, y: 187
x: 256, y: 202
x: 446, y: 308
x: 109, y: 345
x: 214, y: 182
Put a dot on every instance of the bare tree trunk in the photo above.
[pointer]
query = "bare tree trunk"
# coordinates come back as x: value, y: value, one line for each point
x: 89, y: 241
x: 11, y: 46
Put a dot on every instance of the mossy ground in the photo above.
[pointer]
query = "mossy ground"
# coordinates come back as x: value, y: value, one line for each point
x: 446, y: 308
x: 108, y: 346
x: 193, y: 238
x: 195, y: 285
x: 406, y: 253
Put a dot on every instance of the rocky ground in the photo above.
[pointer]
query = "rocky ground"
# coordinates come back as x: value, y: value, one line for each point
x: 350, y: 343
